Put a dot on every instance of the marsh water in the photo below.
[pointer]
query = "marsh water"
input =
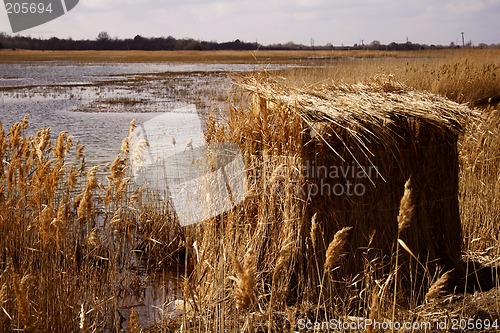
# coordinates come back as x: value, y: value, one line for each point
x: 95, y: 104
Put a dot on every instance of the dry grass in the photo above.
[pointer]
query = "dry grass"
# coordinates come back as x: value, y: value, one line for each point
x: 275, y: 223
x: 480, y: 185
x: 465, y: 76
x: 10, y: 56
x: 69, y: 234
x: 68, y: 241
x: 335, y: 249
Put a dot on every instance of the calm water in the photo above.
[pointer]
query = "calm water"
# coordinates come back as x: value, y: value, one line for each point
x: 60, y: 73
x: 96, y: 102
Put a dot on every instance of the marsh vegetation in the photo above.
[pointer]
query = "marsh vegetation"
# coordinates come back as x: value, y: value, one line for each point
x: 83, y: 248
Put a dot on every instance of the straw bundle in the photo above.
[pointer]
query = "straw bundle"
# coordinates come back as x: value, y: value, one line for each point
x: 333, y: 157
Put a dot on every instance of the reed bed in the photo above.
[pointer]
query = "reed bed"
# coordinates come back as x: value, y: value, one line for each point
x: 465, y: 76
x: 284, y: 255
x: 70, y: 245
x: 260, y: 56
x: 75, y: 242
x: 480, y: 186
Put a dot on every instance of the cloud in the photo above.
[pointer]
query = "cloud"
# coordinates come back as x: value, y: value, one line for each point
x: 274, y: 21
x: 98, y: 5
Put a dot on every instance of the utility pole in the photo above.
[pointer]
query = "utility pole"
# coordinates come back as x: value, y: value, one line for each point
x: 463, y: 40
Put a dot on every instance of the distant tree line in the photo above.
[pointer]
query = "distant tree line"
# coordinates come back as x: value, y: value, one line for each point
x: 105, y: 42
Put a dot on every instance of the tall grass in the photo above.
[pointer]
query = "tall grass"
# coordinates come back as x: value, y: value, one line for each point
x: 465, y: 76
x: 68, y: 251
x: 74, y: 243
x: 272, y: 222
x: 480, y: 186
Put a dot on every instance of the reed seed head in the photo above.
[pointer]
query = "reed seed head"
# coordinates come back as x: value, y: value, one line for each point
x: 336, y: 248
x: 60, y: 147
x: 244, y: 292
x: 134, y: 323
x: 406, y: 207
x: 79, y: 151
x: 82, y: 324
x: 438, y: 288
x: 314, y: 229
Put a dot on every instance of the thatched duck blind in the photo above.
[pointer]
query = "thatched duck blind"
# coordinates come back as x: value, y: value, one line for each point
x: 337, y: 156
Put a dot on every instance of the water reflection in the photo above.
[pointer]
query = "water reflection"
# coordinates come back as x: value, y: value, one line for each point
x: 153, y: 300
x: 62, y: 73
x: 95, y: 103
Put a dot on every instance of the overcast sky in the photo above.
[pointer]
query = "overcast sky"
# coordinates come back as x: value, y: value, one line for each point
x: 279, y: 21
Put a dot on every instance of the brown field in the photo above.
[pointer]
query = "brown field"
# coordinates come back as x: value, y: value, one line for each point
x: 14, y: 56
x: 73, y: 246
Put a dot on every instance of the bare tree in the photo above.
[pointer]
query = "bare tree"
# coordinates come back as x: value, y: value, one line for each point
x: 103, y: 35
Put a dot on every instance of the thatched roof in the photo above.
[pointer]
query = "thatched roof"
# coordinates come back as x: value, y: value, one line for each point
x: 358, y: 115
x: 373, y: 105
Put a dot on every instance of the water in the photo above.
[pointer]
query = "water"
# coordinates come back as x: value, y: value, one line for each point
x: 154, y: 301
x: 64, y: 73
x: 100, y: 132
x: 96, y: 102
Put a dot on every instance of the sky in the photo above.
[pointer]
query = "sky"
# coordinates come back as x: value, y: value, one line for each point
x: 339, y: 22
